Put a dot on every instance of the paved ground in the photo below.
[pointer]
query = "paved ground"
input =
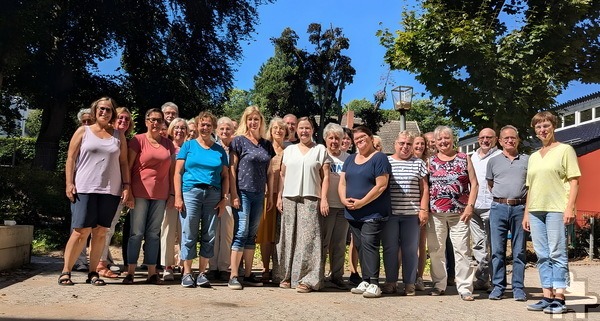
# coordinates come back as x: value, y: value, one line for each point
x: 32, y: 293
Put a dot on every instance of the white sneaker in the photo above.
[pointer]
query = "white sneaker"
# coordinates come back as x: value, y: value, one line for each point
x: 373, y: 291
x: 361, y: 288
x: 168, y: 275
x: 420, y: 285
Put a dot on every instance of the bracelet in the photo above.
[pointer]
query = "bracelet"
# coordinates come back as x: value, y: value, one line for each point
x: 172, y: 194
x: 423, y: 209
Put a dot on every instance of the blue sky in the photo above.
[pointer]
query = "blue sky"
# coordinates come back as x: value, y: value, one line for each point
x: 359, y: 20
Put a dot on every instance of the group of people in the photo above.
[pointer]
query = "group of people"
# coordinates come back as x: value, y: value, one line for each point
x: 229, y: 189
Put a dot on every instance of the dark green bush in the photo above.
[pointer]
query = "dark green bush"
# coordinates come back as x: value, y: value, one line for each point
x: 35, y: 197
x: 21, y: 150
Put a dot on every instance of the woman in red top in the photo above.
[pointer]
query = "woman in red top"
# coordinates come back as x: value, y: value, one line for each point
x: 150, y: 158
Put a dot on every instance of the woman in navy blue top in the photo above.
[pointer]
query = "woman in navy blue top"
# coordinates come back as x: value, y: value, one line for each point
x: 250, y: 155
x: 364, y: 192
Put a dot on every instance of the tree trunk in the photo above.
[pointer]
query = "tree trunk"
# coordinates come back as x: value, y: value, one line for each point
x: 47, y: 144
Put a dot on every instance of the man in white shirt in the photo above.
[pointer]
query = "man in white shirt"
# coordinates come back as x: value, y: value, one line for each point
x: 480, y: 229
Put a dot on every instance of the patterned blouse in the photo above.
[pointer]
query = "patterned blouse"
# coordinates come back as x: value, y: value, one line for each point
x: 448, y: 184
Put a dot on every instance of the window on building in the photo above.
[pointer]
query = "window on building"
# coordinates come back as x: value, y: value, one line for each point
x: 569, y: 120
x: 585, y: 115
x: 597, y: 112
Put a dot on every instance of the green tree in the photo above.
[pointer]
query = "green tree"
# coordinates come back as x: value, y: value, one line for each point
x: 171, y: 50
x: 487, y: 74
x: 306, y: 82
x: 426, y: 113
x: 237, y: 101
x: 281, y: 85
x: 33, y: 123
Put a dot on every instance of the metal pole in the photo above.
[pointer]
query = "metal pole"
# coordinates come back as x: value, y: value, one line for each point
x: 402, y: 120
x: 592, y: 237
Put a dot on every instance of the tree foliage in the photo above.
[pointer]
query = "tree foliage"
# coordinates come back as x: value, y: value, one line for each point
x: 487, y: 73
x: 236, y: 103
x: 281, y: 85
x: 426, y: 113
x: 170, y: 50
x: 306, y: 82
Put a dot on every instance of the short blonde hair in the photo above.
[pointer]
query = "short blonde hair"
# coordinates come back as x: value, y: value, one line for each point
x: 544, y: 116
x: 279, y: 122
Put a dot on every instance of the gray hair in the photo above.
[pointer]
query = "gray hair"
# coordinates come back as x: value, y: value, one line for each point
x: 333, y: 128
x: 82, y: 112
x: 169, y: 104
x: 443, y: 129
x: 408, y: 134
x: 509, y: 127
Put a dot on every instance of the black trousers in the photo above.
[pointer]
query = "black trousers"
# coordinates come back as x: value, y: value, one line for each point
x: 367, y: 238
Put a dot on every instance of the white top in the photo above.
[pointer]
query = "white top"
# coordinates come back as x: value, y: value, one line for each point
x: 484, y: 195
x: 97, y: 169
x: 302, y: 172
x: 333, y: 197
x: 404, y: 185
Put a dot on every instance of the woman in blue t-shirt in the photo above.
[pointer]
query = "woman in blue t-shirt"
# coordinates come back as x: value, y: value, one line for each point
x: 364, y: 192
x: 201, y: 187
x: 250, y: 155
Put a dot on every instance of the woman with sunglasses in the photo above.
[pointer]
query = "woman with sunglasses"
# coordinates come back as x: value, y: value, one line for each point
x: 150, y: 158
x: 97, y: 178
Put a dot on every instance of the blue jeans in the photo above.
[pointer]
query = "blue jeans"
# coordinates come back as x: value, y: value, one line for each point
x: 401, y: 232
x: 505, y: 218
x: 199, y: 215
x: 549, y: 236
x: 146, y: 218
x: 246, y: 220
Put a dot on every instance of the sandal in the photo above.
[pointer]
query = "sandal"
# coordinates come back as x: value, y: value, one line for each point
x: 107, y: 273
x: 65, y: 281
x: 285, y: 285
x: 303, y: 288
x: 467, y: 296
x: 94, y: 279
x: 128, y: 279
x: 154, y: 279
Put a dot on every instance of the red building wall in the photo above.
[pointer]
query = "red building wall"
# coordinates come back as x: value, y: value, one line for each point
x: 588, y: 199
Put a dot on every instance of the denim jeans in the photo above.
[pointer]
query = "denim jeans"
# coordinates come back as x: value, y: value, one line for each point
x: 367, y: 237
x: 199, y: 215
x: 505, y: 218
x: 549, y: 236
x: 246, y: 220
x: 401, y: 231
x: 146, y: 219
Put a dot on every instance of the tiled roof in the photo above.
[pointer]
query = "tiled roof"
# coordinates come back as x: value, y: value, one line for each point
x: 389, y: 132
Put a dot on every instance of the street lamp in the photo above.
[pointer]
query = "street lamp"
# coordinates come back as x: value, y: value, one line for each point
x: 402, y: 97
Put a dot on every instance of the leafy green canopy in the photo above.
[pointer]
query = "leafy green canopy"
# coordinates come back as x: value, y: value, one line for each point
x: 488, y: 74
x: 172, y: 50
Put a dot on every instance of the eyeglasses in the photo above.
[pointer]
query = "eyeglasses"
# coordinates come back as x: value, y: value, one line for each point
x: 180, y: 128
x: 403, y: 143
x: 124, y: 118
x: 509, y: 138
x: 486, y: 137
x: 105, y: 109
x: 154, y: 120
x: 86, y: 121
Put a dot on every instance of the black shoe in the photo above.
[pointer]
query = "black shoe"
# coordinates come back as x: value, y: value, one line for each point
x: 355, y: 278
x: 224, y: 276
x: 252, y: 281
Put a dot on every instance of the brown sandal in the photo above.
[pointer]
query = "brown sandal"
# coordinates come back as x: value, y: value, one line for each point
x: 303, y: 288
x: 285, y: 285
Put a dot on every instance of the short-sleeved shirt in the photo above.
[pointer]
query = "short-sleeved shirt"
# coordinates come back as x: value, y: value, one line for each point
x: 404, y: 185
x: 448, y: 184
x: 360, y: 179
x: 508, y: 176
x: 548, y: 178
x: 253, y: 163
x: 202, y: 166
x: 150, y: 177
x: 335, y: 168
x: 484, y: 196
x: 303, y: 171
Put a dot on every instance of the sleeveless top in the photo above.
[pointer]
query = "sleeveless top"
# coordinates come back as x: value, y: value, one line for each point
x: 448, y: 184
x: 97, y: 169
